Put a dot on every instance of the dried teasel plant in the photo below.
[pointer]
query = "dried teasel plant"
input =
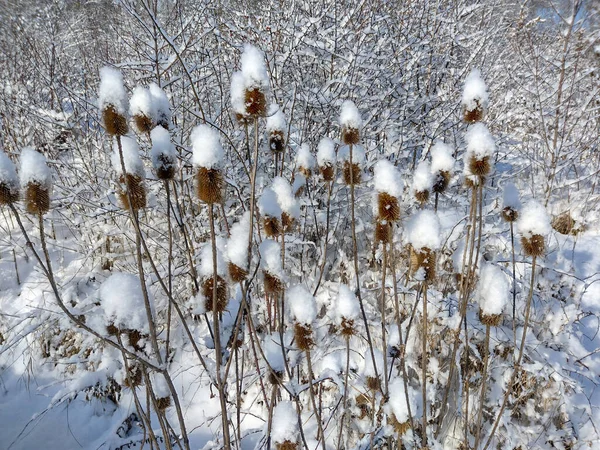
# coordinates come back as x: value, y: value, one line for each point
x: 305, y: 161
x: 141, y: 110
x: 9, y: 181
x: 36, y: 180
x: 132, y: 191
x: 475, y: 97
x: 113, y: 102
x: 208, y: 287
x: 208, y: 159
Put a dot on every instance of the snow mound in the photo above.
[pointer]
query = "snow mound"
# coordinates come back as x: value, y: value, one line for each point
x: 387, y: 178
x: 131, y: 157
x: 302, y: 305
x: 397, y: 400
x: 268, y: 204
x: 34, y: 169
x: 349, y: 115
x: 123, y: 302
x: 161, y: 104
x: 206, y: 259
x: 270, y: 254
x: 276, y: 122
x: 423, y: 230
x: 510, y: 197
x: 112, y: 92
x: 285, y: 423
x: 347, y: 304
x: 475, y: 92
x: 206, y: 146
x: 325, y: 152
x: 533, y: 219
x: 422, y: 178
x: 285, y: 197
x: 254, y: 68
x: 141, y: 103
x: 304, y: 157
x: 236, y: 251
x: 493, y: 290
x: 162, y: 147
x: 480, y: 142
x: 441, y: 158
x: 8, y: 172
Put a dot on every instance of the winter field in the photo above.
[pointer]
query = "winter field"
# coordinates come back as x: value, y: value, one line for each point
x: 299, y: 225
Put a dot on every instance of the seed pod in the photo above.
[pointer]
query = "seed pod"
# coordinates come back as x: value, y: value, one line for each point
x: 383, y: 232
x: 276, y: 141
x: 352, y: 173
x: 272, y: 226
x: 399, y: 427
x: 256, y: 102
x: 425, y: 259
x: 209, y: 185
x: 351, y: 122
x: 287, y: 222
x: 134, y: 185
x: 114, y: 123
x: 208, y: 289
x: 273, y: 284
x: 492, y: 320
x: 350, y: 136
x: 347, y: 328
x: 387, y: 207
x: 480, y: 166
x: 441, y: 181
x: 475, y: 97
x: 303, y: 336
x: 37, y: 198
x: 533, y: 245
x: 475, y: 114
x: 163, y: 403
x: 236, y: 273
x: 422, y: 196
x: 36, y: 179
x: 509, y: 214
x: 327, y: 172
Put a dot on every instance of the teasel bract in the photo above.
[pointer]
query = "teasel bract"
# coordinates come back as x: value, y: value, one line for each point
x: 9, y: 181
x: 132, y: 191
x: 113, y: 102
x: 475, y: 97
x: 208, y: 158
x: 36, y: 180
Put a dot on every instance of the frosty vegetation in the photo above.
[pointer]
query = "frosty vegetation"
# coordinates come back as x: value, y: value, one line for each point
x: 300, y: 225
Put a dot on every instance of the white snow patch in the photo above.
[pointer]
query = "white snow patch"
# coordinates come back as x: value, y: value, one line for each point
x: 254, y: 68
x: 475, y: 91
x: 350, y: 116
x: 493, y: 290
x: 347, y: 304
x: 112, y: 92
x: 270, y: 258
x: 8, y: 172
x: 206, y: 146
x: 123, y: 302
x: 268, y: 204
x: 480, y: 142
x: 441, y: 158
x: 358, y: 154
x: 387, y: 178
x: 285, y: 197
x: 276, y: 121
x: 422, y: 178
x: 304, y: 157
x: 326, y: 152
x: 206, y: 258
x: 285, y: 423
x: 141, y: 103
x: 162, y: 146
x: 34, y: 169
x: 131, y: 157
x: 533, y: 219
x: 302, y: 305
x: 510, y: 197
x: 397, y: 401
x: 160, y: 103
x: 238, y: 93
x: 423, y: 230
x: 237, y: 245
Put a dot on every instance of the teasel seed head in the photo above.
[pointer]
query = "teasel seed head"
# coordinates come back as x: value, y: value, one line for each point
x: 383, y: 232
x: 286, y: 445
x: 388, y: 208
x: 564, y: 224
x: 492, y: 320
x: 236, y: 273
x: 134, y: 375
x: 256, y: 102
x: 36, y: 179
x: 475, y: 114
x: 209, y: 185
x: 207, y: 292
x: 441, y: 181
x: 425, y: 259
x: 533, y: 245
x: 137, y: 191
x: 163, y: 403
x: 399, y: 427
x: 347, y: 328
x: 480, y: 166
x: 422, y: 196
x: 373, y: 383
x: 143, y: 123
x: 352, y: 173
x: 303, y: 336
x: 276, y: 141
x: 272, y: 226
x: 327, y: 172
x: 288, y: 223
x: 273, y: 284
x: 509, y: 214
x: 165, y: 167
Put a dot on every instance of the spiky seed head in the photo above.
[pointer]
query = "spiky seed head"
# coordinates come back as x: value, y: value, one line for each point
x: 243, y: 119
x: 272, y: 226
x: 492, y: 320
x: 564, y: 224
x: 441, y: 181
x: 137, y: 191
x: 350, y: 136
x: 474, y: 114
x: 112, y: 330
x: 165, y: 169
x: 207, y: 291
x: 423, y: 259
x: 534, y: 245
x: 134, y: 376
x: 236, y: 273
x: 422, y: 196
x: 480, y: 166
x: 275, y: 377
x: 209, y: 185
x: 256, y: 102
x: 509, y: 214
x: 163, y: 403
x: 373, y: 383
x: 352, y: 173
x: 327, y: 172
x: 9, y: 193
x: 399, y: 427
x: 304, y: 171
x: 114, y: 123
x: 387, y: 207
x: 37, y: 198
x: 286, y: 445
x: 143, y: 123
x: 276, y: 141
x: 347, y: 328
x: 287, y: 222
x: 273, y: 284
x: 383, y: 232
x: 303, y: 336
x: 134, y: 337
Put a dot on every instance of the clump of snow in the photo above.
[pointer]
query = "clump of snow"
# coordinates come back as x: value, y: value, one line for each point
x: 160, y: 386
x: 270, y: 258
x: 358, y: 154
x: 441, y: 158
x: 272, y: 350
x: 423, y: 230
x: 285, y: 197
x: 326, y: 152
x: 350, y: 116
x: 131, y: 157
x: 285, y: 423
x: 206, y: 146
x: 33, y: 169
x: 237, y: 245
x: 302, y: 305
x: 423, y: 178
x: 160, y: 103
x: 304, y: 157
x: 493, y: 290
x: 347, y: 306
x: 206, y: 259
x: 397, y: 400
x: 276, y: 122
x: 369, y: 368
x: 299, y: 183
x: 480, y: 142
x: 254, y: 68
x: 141, y: 103
x: 163, y: 151
x: 387, y: 178
x: 510, y: 197
x: 268, y: 204
x: 475, y: 92
x: 112, y: 92
x: 533, y: 219
x: 123, y: 302
x: 238, y: 93
x: 8, y: 172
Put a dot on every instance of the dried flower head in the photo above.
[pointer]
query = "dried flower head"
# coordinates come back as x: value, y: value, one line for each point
x: 383, y: 232
x: 36, y: 179
x: 475, y: 97
x: 509, y: 214
x: 236, y: 273
x: 272, y: 226
x: 351, y: 122
x: 303, y: 336
x: 113, y: 101
x: 209, y: 185
x: 423, y: 259
x: 208, y: 289
x: 273, y: 284
x: 441, y: 181
x: 480, y: 166
x: 132, y: 187
x: 533, y: 224
x: 492, y: 320
x: 422, y: 196
x: 533, y: 245
x: 352, y: 173
x: 163, y: 403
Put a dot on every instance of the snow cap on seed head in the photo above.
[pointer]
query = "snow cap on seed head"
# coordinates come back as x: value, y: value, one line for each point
x: 112, y: 91
x: 326, y: 152
x: 285, y: 197
x: 207, y: 148
x: 423, y: 230
x: 480, y: 142
x: 303, y: 307
x: 422, y: 178
x: 347, y: 306
x: 350, y: 116
x: 131, y: 157
x: 493, y: 290
x: 441, y: 158
x: 387, y: 178
x: 34, y: 169
x: 533, y: 220
x: 475, y: 91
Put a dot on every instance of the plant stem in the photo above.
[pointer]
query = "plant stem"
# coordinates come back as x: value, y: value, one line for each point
x: 486, y: 347
x: 424, y: 365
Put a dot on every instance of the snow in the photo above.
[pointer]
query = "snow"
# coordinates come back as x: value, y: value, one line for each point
x: 350, y: 116
x: 285, y: 197
x: 285, y: 423
x: 422, y: 178
x: 299, y: 182
x: 480, y: 142
x: 237, y: 245
x: 276, y: 121
x: 268, y: 204
x: 33, y: 168
x: 533, y: 219
x: 347, y: 304
x: 358, y: 154
x: 206, y: 259
x: 474, y: 91
x: 369, y: 369
x: 162, y: 145
x: 160, y: 103
x: 493, y: 290
x: 160, y: 386
x: 238, y: 92
x: 254, y: 68
x: 325, y: 152
x: 206, y: 147
x: 8, y: 172
x: 397, y: 400
x: 304, y: 157
x: 441, y: 158
x: 270, y: 254
x: 141, y: 103
x: 302, y: 305
x: 510, y: 197
x: 112, y: 92
x: 423, y: 230
x: 123, y: 302
x: 272, y: 350
x: 387, y: 178
x: 131, y: 157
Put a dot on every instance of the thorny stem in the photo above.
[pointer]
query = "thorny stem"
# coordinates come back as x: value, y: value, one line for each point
x: 519, y: 358
x: 311, y: 380
x: 345, y: 397
x: 514, y: 286
x: 486, y: 347
x: 424, y: 365
x: 383, y: 319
